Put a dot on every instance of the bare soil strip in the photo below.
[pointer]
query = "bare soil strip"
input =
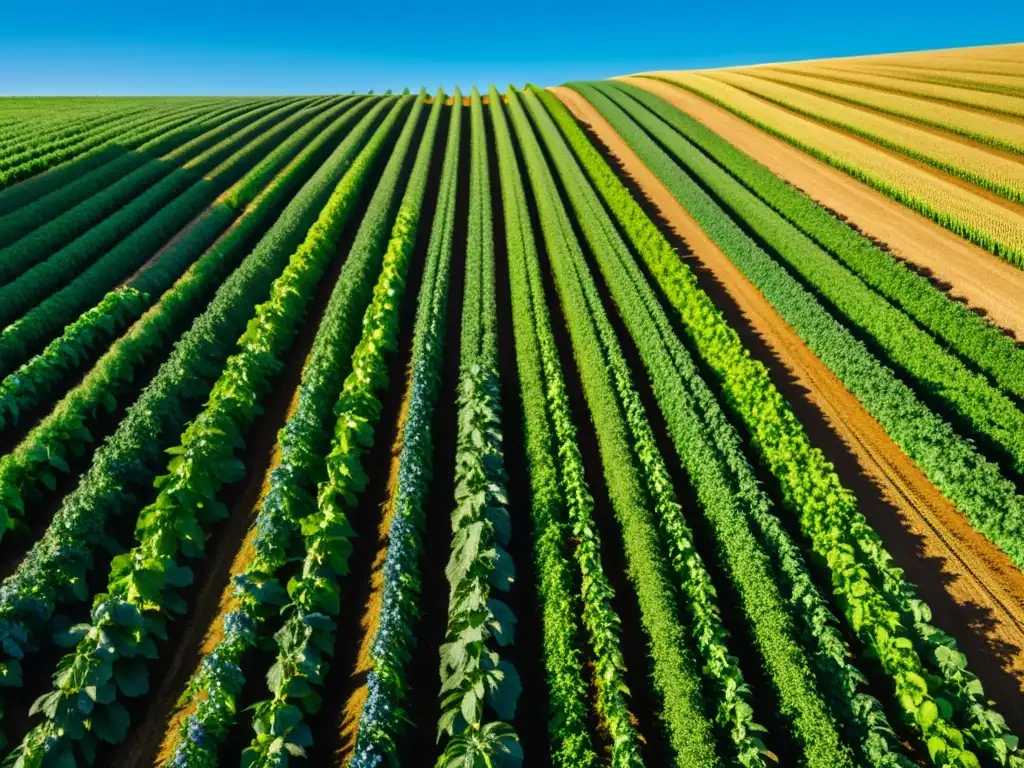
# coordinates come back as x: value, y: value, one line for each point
x: 975, y: 591
x: 983, y: 281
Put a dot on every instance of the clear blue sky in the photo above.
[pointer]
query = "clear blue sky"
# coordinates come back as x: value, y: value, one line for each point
x: 316, y: 46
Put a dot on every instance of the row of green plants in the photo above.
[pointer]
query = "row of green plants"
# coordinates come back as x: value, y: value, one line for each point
x: 34, y: 132
x: 382, y: 717
x: 864, y: 722
x: 34, y: 119
x: 942, y: 701
x: 970, y: 336
x: 34, y: 232
x: 290, y: 502
x: 947, y: 220
x: 561, y: 508
x: 674, y: 669
x: 177, y: 131
x: 55, y: 569
x: 58, y: 297
x: 307, y: 637
x: 197, y: 183
x: 742, y: 556
x: 950, y: 461
x: 56, y: 178
x: 84, y: 707
x: 61, y: 140
x: 479, y: 687
x: 939, y: 376
x: 18, y: 166
x: 39, y: 380
x: 31, y: 385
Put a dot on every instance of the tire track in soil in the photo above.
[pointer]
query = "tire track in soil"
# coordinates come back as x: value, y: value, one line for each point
x: 976, y: 593
x: 209, y: 595
x: 967, y: 273
x: 527, y: 652
x: 335, y: 727
x: 643, y: 700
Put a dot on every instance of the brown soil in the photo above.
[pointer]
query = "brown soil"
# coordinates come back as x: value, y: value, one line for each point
x: 976, y: 592
x: 983, y: 281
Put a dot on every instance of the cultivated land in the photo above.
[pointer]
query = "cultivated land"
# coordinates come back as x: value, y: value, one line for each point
x: 675, y: 419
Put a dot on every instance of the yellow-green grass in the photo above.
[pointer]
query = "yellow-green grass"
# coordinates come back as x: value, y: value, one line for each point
x: 988, y: 129
x: 991, y: 224
x: 1004, y: 84
x: 987, y: 168
x: 981, y: 100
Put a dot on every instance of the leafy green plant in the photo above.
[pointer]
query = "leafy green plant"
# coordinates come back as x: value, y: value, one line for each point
x: 30, y: 470
x: 475, y: 681
x: 558, y: 490
x: 142, y: 580
x: 303, y: 442
x: 838, y: 680
x: 57, y: 565
x: 381, y: 720
x: 876, y: 600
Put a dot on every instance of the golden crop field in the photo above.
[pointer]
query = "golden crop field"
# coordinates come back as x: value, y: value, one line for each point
x: 971, y: 214
x: 988, y: 129
x: 984, y: 100
x: 959, y: 78
x: 1003, y: 175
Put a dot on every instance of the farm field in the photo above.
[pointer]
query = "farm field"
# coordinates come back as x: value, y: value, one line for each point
x: 675, y: 419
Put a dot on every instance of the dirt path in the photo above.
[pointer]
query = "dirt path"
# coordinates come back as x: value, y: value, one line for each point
x: 975, y: 591
x: 985, y: 282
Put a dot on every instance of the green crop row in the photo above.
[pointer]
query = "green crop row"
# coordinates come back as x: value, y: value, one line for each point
x: 307, y: 637
x: 969, y: 335
x: 37, y: 381
x: 950, y: 221
x: 57, y: 565
x: 674, y: 668
x: 839, y: 680
x: 18, y: 166
x: 290, y: 501
x: 110, y: 652
x: 479, y: 689
x: 558, y: 491
x: 140, y: 228
x: 35, y: 132
x: 668, y: 364
x: 54, y: 179
x: 55, y: 141
x: 42, y: 233
x: 141, y: 248
x: 176, y: 131
x: 380, y: 720
x: 876, y: 601
x: 939, y: 374
x: 956, y: 467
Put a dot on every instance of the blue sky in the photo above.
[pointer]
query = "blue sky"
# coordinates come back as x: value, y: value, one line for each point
x: 315, y: 46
